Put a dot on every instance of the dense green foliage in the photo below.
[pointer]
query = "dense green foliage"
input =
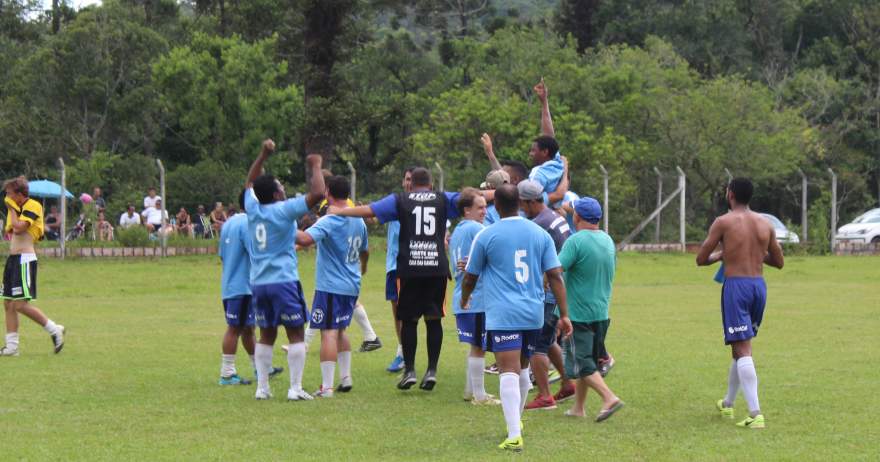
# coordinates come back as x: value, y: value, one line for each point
x: 758, y: 87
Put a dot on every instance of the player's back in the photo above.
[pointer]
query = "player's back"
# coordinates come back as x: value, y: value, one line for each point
x: 272, y: 228
x: 746, y: 240
x: 460, y: 247
x: 340, y: 242
x: 235, y: 254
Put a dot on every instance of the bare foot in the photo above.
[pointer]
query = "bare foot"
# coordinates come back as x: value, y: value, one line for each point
x: 573, y: 413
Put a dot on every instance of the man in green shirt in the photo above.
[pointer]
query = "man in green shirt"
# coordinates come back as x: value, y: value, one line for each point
x: 588, y: 259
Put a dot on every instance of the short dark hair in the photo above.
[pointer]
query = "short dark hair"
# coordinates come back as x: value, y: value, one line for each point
x: 467, y: 197
x: 339, y: 187
x: 421, y: 177
x: 265, y: 187
x: 409, y: 169
x: 742, y: 190
x: 519, y: 167
x: 240, y: 199
x: 507, y: 199
x: 547, y: 143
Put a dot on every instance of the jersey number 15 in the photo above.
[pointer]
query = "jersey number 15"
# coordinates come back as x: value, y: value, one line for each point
x: 426, y: 223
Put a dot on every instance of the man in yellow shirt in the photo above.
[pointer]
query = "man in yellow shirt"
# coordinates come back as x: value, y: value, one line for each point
x: 24, y: 220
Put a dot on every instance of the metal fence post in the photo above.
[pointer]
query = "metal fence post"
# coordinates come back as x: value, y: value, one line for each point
x: 604, y: 196
x: 442, y: 185
x: 162, y: 235
x: 659, y: 201
x: 729, y: 175
x: 804, y: 207
x: 682, y: 182
x: 63, y: 235
x: 833, y: 206
x: 354, y: 181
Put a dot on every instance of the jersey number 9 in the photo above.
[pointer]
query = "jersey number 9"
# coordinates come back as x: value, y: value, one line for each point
x: 260, y: 236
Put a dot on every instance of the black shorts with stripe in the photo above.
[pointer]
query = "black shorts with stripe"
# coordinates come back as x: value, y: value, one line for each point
x: 19, y: 279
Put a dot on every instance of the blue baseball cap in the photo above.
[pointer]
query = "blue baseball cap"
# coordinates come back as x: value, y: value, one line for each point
x: 588, y: 209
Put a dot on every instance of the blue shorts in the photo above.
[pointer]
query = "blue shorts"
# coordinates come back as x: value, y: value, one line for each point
x: 548, y: 331
x: 392, y: 288
x: 239, y: 311
x: 742, y: 307
x: 331, y: 311
x: 471, y: 328
x: 279, y: 304
x: 510, y: 340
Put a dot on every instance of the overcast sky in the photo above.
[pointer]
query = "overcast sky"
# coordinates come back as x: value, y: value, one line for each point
x: 76, y: 4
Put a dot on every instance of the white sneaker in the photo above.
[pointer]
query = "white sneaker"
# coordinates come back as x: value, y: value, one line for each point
x: 298, y: 395
x: 324, y: 393
x: 6, y: 351
x: 58, y: 338
x: 345, y: 384
x: 488, y: 400
x: 262, y: 394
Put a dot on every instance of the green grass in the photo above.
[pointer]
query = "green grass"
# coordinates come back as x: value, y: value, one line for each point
x: 137, y: 379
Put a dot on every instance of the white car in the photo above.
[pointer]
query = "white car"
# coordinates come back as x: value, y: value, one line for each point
x: 783, y: 235
x: 864, y: 229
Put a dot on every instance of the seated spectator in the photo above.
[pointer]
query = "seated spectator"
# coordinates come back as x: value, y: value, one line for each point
x: 105, y: 229
x: 129, y: 218
x: 218, y: 217
x: 150, y: 200
x: 184, y: 223
x: 98, y: 198
x: 53, y: 224
x: 154, y: 218
x: 201, y: 223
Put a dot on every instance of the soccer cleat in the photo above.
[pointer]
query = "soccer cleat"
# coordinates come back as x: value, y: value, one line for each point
x: 429, y: 380
x: 565, y: 392
x: 298, y: 395
x: 755, y: 422
x: 234, y: 379
x: 493, y: 369
x: 262, y: 394
x: 6, y: 351
x: 322, y: 393
x: 512, y: 444
x: 554, y: 376
x: 725, y: 411
x: 370, y: 345
x: 396, y: 364
x: 344, y: 385
x: 605, y: 366
x: 604, y: 414
x: 541, y: 402
x: 275, y: 371
x: 488, y: 400
x: 407, y: 380
x: 58, y: 338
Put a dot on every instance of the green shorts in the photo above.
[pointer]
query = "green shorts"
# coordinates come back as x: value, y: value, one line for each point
x: 583, y: 348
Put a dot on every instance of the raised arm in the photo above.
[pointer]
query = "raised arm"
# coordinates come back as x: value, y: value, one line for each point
x: 546, y: 120
x: 557, y: 285
x: 705, y: 256
x: 316, y: 182
x: 487, y: 146
x: 774, y: 256
x: 257, y: 167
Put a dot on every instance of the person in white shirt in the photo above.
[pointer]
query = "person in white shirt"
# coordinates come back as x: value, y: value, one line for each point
x: 153, y: 216
x: 150, y: 200
x: 129, y: 218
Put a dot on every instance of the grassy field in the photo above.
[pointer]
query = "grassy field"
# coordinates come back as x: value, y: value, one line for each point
x: 137, y: 379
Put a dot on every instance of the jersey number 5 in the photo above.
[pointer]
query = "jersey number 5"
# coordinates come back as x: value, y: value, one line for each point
x: 522, y: 269
x: 425, y: 222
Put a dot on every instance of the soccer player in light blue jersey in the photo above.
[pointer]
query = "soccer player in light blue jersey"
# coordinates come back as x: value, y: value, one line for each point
x: 511, y: 259
x: 277, y: 293
x: 342, y: 260
x: 471, y: 323
x: 391, y: 284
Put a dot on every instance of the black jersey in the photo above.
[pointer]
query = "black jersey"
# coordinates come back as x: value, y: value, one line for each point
x: 422, y: 216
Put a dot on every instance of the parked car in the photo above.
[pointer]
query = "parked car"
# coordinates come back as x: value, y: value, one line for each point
x: 864, y: 229
x: 783, y: 235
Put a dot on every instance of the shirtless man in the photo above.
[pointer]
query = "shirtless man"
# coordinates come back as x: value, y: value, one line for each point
x: 25, y: 221
x: 748, y: 242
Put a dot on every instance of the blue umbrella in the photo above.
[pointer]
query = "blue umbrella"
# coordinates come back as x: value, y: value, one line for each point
x: 46, y: 189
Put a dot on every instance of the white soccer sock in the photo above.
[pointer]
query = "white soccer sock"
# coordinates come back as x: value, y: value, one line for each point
x: 360, y: 317
x: 310, y: 334
x: 525, y: 384
x: 328, y: 369
x: 748, y: 379
x: 399, y: 350
x: 12, y: 340
x: 732, y: 385
x: 263, y: 357
x: 296, y: 361
x: 227, y: 366
x: 344, y: 360
x: 50, y: 326
x: 468, y: 383
x: 510, y: 402
x: 478, y: 382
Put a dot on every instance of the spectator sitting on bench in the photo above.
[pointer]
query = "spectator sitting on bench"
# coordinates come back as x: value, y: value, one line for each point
x: 184, y: 223
x: 105, y: 229
x: 129, y: 218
